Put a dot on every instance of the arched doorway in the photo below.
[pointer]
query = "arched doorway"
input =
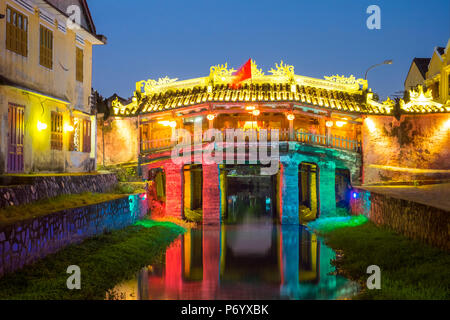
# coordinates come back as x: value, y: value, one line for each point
x: 308, y: 182
x: 193, y: 195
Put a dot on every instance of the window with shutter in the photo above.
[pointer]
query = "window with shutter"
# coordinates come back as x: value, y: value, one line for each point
x: 16, y: 32
x: 56, y: 131
x: 46, y: 47
x: 79, y: 65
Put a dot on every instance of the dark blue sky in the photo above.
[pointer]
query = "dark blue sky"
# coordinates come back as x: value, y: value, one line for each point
x: 181, y: 39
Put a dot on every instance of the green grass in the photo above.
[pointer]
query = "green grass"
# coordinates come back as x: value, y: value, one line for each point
x: 12, y: 214
x: 409, y: 269
x: 104, y: 261
x: 130, y: 187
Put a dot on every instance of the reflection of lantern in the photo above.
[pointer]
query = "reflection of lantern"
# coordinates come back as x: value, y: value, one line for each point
x: 290, y: 117
x: 256, y: 113
x: 340, y: 123
x: 210, y: 117
x: 329, y: 124
x: 249, y: 108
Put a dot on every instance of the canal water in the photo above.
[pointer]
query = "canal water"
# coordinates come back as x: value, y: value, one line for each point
x: 249, y: 256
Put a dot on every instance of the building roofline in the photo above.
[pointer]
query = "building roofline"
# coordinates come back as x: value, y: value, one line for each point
x: 100, y: 38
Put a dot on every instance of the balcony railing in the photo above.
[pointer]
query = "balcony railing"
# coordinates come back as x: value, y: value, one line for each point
x: 309, y: 138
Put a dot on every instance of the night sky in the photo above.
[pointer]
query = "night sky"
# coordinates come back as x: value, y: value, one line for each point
x: 181, y: 39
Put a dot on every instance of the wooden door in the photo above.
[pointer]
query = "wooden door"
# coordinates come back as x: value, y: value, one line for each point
x: 15, y: 138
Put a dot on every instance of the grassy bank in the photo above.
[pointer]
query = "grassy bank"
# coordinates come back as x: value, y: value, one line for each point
x: 104, y: 261
x: 14, y: 214
x: 409, y: 269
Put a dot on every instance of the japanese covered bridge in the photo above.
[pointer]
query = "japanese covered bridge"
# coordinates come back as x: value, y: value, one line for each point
x: 320, y: 124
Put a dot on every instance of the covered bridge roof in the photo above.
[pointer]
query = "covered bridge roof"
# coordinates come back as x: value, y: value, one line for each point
x: 282, y: 86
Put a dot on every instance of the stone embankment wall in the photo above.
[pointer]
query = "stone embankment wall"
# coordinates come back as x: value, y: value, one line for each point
x: 26, y: 189
x: 414, y: 220
x: 25, y: 242
x: 414, y: 148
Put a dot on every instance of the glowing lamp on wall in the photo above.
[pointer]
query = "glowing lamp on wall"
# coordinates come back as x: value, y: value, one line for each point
x: 340, y: 124
x: 210, y: 117
x: 166, y: 123
x: 250, y: 108
x: 41, y: 126
x: 290, y: 117
x: 370, y: 125
x: 68, y: 128
x: 256, y: 113
x: 354, y: 195
x: 329, y: 124
x: 447, y: 125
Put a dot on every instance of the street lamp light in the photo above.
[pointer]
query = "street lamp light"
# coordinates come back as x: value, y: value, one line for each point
x: 376, y: 65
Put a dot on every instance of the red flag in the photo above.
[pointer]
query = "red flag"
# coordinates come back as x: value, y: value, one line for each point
x: 244, y: 72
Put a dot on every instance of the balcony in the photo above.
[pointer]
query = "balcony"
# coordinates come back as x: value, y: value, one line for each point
x: 285, y: 135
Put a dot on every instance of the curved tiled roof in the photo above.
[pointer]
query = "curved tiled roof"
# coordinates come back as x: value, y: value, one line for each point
x: 173, y: 99
x: 283, y: 87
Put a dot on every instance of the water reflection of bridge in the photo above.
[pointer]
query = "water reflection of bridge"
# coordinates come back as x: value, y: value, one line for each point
x: 242, y: 262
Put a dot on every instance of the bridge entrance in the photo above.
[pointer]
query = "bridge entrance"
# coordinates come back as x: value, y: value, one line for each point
x: 250, y: 196
x: 308, y: 193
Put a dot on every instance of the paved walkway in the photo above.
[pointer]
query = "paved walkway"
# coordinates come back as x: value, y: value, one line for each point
x: 435, y: 195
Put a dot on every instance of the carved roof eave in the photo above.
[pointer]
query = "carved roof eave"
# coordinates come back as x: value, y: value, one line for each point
x: 421, y: 102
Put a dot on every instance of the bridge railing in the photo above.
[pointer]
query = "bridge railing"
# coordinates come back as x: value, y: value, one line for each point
x: 331, y: 141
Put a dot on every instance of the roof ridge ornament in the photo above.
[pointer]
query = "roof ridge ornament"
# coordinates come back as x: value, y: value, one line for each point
x: 220, y: 72
x: 255, y: 71
x: 420, y: 95
x: 347, y: 80
x: 420, y: 101
x: 283, y: 70
x: 151, y: 85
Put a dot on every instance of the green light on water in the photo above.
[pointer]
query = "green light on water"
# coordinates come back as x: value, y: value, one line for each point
x: 330, y: 224
x: 146, y: 223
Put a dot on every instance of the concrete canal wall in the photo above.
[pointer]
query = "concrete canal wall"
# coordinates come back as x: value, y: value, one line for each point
x: 25, y: 242
x: 16, y: 190
x: 414, y: 220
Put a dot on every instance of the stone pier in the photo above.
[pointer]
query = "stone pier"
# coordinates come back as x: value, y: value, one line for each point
x: 211, y: 194
x: 289, y: 191
x: 327, y: 191
x: 174, y: 190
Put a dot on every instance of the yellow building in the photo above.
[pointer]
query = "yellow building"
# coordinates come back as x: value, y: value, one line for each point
x: 46, y: 122
x: 417, y: 73
x: 438, y: 75
x: 432, y: 73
